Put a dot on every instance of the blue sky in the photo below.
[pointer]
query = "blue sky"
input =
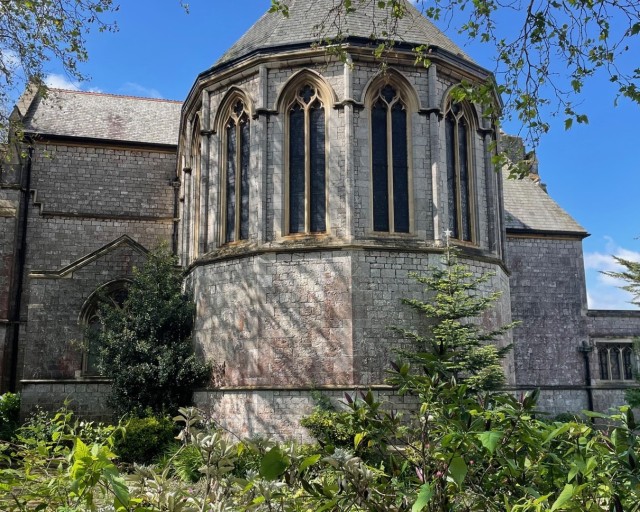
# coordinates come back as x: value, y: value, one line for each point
x: 592, y: 171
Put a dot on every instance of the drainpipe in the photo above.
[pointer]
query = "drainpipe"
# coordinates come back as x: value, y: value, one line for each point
x: 586, y: 349
x: 22, y: 257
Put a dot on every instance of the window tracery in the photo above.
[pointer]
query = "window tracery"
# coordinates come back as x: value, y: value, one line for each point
x: 306, y: 199
x: 459, y: 175
x: 236, y: 150
x: 390, y: 162
x: 616, y: 361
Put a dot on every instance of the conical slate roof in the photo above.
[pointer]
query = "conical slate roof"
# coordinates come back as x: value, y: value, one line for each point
x: 311, y: 20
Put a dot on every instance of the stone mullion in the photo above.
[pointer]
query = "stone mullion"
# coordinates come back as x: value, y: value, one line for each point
x: 391, y: 212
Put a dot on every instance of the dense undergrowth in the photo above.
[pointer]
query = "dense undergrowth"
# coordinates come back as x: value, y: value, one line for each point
x: 459, y: 451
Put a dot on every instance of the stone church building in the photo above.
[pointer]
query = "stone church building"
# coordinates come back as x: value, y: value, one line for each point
x: 299, y: 191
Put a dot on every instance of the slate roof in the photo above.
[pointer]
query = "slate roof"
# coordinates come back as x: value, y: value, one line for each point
x: 528, y: 207
x: 104, y: 116
x: 274, y: 30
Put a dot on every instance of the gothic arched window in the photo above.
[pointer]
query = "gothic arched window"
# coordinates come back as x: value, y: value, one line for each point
x: 307, y: 198
x: 459, y: 177
x: 390, y: 161
x: 112, y: 294
x: 196, y: 187
x: 235, y: 211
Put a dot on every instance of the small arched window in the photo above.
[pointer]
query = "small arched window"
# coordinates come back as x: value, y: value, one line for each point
x: 306, y: 197
x: 114, y: 294
x: 459, y: 175
x: 390, y: 161
x: 236, y: 151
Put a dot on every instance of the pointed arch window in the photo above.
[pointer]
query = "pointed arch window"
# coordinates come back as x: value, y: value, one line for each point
x: 307, y: 198
x: 196, y: 187
x: 113, y: 294
x: 459, y: 176
x: 390, y: 161
x: 235, y: 225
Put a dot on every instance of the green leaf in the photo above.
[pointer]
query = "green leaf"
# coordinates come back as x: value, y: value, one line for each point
x: 358, y: 439
x: 490, y: 439
x: 273, y: 464
x: 458, y: 470
x: 424, y: 496
x: 557, y: 432
x: 309, y: 461
x: 565, y: 496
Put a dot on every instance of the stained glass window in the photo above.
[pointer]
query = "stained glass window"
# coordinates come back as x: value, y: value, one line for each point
x: 390, y: 165
x: 237, y: 152
x: 307, y: 163
x: 458, y: 167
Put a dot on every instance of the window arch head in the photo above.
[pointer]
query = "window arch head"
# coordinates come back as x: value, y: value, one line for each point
x: 234, y: 119
x: 113, y: 294
x: 305, y: 103
x: 391, y: 101
x: 458, y: 125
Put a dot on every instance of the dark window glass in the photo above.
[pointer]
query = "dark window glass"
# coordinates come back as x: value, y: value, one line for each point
x: 318, y: 168
x: 230, y: 228
x: 390, y: 164
x: 614, y: 360
x: 296, y: 170
x: 626, y: 361
x: 92, y: 349
x: 244, y: 182
x: 379, y: 167
x: 465, y: 207
x: 458, y: 174
x: 400, y: 169
x: 603, y: 355
x: 237, y: 137
x: 115, y: 297
x: 452, y: 180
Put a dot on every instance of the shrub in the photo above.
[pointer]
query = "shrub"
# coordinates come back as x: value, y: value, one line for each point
x: 9, y: 415
x: 145, y: 346
x: 144, y: 439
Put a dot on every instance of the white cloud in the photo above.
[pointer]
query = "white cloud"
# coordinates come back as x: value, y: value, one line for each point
x: 604, y: 291
x: 134, y: 89
x: 56, y: 81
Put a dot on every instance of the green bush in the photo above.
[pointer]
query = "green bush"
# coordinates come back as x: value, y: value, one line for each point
x: 9, y: 415
x: 187, y: 464
x: 330, y: 428
x: 144, y: 439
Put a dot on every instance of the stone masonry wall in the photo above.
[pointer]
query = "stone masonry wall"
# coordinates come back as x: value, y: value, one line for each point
x: 548, y: 296
x: 85, y: 197
x: 276, y: 320
x: 276, y: 414
x: 86, y: 398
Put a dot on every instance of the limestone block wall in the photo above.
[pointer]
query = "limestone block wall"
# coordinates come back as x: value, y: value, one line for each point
x: 277, y: 320
x: 276, y: 414
x: 54, y: 330
x: 288, y: 320
x: 86, y: 398
x: 549, y: 299
x: 381, y: 279
x: 84, y: 198
x: 9, y: 208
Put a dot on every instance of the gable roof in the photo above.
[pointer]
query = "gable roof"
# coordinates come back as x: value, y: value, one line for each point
x: 529, y: 208
x: 301, y: 27
x: 103, y: 116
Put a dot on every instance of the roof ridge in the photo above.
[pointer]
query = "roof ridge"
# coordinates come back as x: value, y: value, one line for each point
x: 125, y: 96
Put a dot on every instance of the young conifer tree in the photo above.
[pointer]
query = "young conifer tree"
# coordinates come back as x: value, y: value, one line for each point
x: 454, y: 344
x: 145, y: 345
